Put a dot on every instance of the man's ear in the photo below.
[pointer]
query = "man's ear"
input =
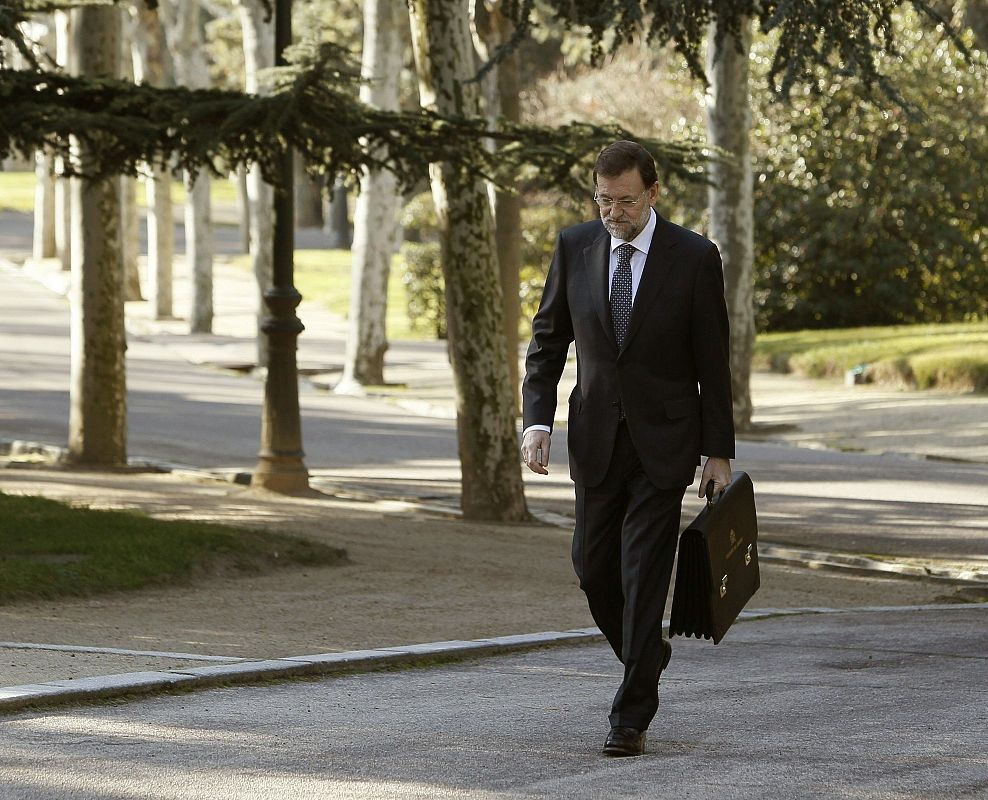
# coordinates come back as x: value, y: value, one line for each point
x: 653, y: 193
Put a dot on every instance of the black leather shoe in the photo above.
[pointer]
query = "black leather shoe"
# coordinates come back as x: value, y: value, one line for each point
x: 624, y: 742
x: 666, y: 655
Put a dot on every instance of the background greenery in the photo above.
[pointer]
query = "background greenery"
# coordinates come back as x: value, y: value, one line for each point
x: 865, y: 216
x: 870, y: 216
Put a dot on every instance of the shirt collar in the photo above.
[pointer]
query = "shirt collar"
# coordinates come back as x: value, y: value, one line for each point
x: 643, y: 239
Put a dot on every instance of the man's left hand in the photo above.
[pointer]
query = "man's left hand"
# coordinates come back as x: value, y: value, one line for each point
x: 717, y: 470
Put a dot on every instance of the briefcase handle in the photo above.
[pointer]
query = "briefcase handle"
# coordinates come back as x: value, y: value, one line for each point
x: 710, y: 493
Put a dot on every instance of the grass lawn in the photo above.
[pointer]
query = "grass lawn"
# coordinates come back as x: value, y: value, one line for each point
x: 17, y: 192
x: 949, y: 356
x: 323, y: 276
x: 49, y: 550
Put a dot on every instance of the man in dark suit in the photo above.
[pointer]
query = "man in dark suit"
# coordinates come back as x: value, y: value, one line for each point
x: 644, y: 301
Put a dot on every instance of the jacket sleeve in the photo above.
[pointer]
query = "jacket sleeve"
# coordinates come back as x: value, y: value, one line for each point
x: 552, y: 332
x: 711, y: 340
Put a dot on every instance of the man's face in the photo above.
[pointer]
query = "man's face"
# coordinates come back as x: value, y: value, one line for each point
x: 627, y: 217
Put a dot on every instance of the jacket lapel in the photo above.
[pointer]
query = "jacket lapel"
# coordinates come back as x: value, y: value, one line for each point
x: 596, y: 258
x: 657, y: 265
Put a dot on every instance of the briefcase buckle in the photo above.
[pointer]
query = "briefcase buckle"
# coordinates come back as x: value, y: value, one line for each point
x: 723, y: 586
x: 747, y: 555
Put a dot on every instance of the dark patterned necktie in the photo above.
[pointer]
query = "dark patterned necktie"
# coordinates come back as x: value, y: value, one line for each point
x: 621, y: 293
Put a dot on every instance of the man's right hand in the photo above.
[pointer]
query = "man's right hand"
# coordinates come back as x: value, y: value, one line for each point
x: 535, y: 451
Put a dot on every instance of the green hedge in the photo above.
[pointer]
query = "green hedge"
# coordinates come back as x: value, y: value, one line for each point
x: 952, y: 357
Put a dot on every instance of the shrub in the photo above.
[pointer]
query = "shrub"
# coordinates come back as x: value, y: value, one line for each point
x: 422, y: 267
x: 418, y: 219
x: 897, y: 372
x: 422, y: 276
x: 952, y: 357
x: 540, y: 225
x: 959, y: 372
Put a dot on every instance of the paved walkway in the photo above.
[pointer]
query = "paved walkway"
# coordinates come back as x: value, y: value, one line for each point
x: 864, y: 705
x: 791, y: 409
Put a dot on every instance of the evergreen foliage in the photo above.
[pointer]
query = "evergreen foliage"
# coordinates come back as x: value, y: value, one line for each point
x: 312, y: 107
x: 847, y: 36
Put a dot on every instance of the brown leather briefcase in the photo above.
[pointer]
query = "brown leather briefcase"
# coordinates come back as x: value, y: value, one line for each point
x: 717, y: 572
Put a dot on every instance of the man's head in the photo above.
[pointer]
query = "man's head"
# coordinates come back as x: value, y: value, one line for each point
x: 626, y: 186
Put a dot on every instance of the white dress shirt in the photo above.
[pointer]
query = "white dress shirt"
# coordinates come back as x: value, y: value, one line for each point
x: 641, y: 243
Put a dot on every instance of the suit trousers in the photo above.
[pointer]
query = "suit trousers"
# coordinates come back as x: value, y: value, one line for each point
x: 624, y: 545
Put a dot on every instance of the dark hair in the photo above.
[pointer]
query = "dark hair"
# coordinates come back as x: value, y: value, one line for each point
x: 618, y: 158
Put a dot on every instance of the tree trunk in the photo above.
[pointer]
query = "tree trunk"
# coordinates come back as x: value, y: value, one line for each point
x: 161, y: 243
x: 731, y: 206
x: 375, y: 224
x: 44, y: 207
x: 490, y: 29
x: 98, y: 388
x: 185, y: 38
x: 489, y: 463
x: 508, y: 208
x: 129, y: 238
x: 130, y: 242
x: 43, y: 245
x: 63, y: 197
x: 63, y: 218
x: 199, y: 251
x: 337, y: 224
x: 239, y: 180
x: 258, y: 34
x: 152, y: 65
x: 308, y: 197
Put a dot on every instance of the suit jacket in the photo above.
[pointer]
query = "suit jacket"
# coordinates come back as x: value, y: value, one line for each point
x: 672, y: 377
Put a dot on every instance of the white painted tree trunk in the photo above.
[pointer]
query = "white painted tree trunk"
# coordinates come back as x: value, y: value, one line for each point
x: 152, y: 66
x: 63, y: 196
x: 185, y: 39
x: 488, y: 445
x: 44, y: 207
x: 98, y: 386
x: 258, y: 35
x: 731, y: 205
x: 375, y: 224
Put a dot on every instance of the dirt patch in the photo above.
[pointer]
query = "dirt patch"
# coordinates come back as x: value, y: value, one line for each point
x: 411, y: 577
